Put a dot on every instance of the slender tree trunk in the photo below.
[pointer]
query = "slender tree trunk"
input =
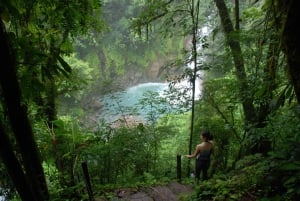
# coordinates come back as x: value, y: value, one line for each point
x: 253, y: 116
x: 50, y: 102
x: 20, y: 123
x: 247, y: 102
x: 194, y: 12
x: 237, y: 14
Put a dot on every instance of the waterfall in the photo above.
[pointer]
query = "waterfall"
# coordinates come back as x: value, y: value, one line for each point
x: 119, y: 104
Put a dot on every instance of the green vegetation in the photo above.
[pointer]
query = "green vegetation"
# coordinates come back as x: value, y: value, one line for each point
x: 57, y: 56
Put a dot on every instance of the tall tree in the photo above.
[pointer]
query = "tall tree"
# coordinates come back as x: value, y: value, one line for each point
x: 20, y: 123
x: 35, y: 35
x: 255, y: 114
x: 194, y: 12
x: 238, y: 59
x: 179, y: 14
x: 289, y: 12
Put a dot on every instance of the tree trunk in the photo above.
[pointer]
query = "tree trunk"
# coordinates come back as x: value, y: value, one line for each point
x: 269, y: 79
x: 291, y: 42
x: 14, y: 168
x: 253, y: 116
x: 194, y: 13
x: 17, y: 114
x: 247, y: 102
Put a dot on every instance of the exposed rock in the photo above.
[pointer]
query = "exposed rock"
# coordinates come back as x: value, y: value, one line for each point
x: 127, y: 121
x: 154, y: 69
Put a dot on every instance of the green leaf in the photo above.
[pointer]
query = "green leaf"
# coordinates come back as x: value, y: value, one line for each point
x: 291, y: 180
x: 291, y: 166
x: 66, y: 67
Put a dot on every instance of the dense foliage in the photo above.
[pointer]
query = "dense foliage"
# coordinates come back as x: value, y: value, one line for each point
x: 58, y: 55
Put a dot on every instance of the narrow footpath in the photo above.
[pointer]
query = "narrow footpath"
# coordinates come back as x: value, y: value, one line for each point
x: 170, y: 192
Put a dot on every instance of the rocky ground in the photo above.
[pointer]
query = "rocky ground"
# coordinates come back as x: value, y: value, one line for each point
x: 171, y: 192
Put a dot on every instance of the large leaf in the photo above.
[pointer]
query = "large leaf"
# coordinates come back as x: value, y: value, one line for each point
x: 66, y: 68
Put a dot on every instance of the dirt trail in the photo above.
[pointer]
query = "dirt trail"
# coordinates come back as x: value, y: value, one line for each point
x: 170, y: 192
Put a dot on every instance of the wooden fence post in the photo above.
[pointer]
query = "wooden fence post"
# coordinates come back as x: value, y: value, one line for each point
x: 179, y: 167
x: 87, y: 180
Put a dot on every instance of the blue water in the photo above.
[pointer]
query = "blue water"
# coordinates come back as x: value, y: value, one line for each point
x: 153, y: 96
x: 128, y: 102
